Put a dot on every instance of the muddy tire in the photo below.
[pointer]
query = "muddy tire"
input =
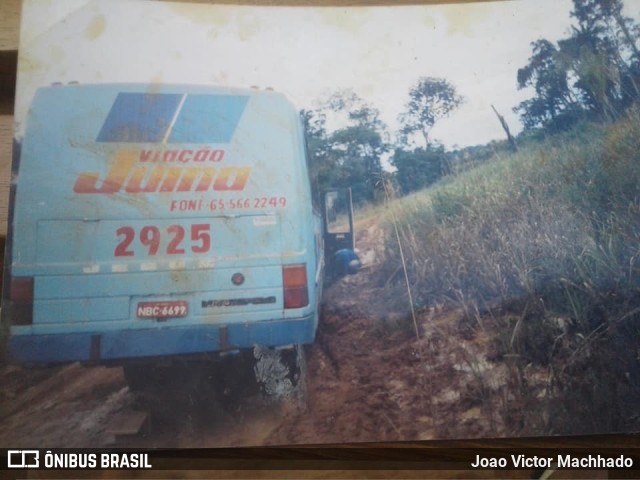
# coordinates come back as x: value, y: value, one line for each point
x: 281, y: 373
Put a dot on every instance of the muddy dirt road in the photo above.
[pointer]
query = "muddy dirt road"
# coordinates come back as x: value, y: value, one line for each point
x: 369, y: 378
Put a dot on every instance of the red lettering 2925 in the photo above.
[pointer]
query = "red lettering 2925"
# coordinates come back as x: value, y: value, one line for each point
x: 150, y: 238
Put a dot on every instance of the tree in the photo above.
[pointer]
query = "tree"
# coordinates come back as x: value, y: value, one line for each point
x: 359, y: 145
x: 321, y: 164
x: 350, y: 155
x: 418, y: 168
x: 505, y: 127
x: 430, y: 100
x: 617, y: 37
x: 554, y: 102
x: 595, y: 71
x: 605, y: 18
x: 592, y: 53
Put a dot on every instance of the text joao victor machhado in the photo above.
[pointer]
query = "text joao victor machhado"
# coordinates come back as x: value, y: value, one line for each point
x: 559, y: 461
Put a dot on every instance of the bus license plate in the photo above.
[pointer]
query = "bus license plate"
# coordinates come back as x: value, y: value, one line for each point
x: 162, y: 309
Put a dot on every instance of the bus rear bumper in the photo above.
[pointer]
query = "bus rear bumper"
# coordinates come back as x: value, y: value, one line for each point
x: 120, y: 345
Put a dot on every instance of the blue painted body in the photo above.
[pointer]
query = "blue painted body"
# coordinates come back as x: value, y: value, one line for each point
x: 66, y: 220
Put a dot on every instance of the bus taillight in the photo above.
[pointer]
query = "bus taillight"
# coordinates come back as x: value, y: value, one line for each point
x: 294, y: 281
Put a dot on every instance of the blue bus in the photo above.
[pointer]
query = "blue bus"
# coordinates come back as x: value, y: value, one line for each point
x: 159, y: 221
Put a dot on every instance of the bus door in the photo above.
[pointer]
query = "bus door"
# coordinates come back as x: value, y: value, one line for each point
x: 338, y: 227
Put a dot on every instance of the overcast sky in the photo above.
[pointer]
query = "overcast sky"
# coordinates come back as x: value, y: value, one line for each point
x: 301, y: 51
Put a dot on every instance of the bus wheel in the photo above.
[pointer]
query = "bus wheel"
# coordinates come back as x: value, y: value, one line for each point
x: 281, y: 373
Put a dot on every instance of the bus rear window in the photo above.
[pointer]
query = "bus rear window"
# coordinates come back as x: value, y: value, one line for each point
x: 139, y: 117
x: 172, y: 118
x: 208, y: 119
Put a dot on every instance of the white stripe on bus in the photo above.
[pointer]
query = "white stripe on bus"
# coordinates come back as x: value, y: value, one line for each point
x: 175, y: 117
x: 207, y: 263
x: 264, y: 221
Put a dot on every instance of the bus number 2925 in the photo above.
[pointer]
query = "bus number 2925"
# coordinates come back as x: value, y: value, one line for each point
x: 152, y: 237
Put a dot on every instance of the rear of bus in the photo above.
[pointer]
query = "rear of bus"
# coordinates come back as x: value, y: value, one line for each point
x: 154, y: 221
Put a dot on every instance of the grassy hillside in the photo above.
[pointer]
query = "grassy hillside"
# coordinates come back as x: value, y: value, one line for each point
x: 543, y: 247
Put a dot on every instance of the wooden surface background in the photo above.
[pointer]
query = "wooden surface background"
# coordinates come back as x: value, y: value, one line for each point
x: 9, y: 40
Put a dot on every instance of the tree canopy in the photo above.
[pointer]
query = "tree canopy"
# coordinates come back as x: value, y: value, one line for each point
x: 592, y: 73
x: 351, y: 155
x: 430, y: 100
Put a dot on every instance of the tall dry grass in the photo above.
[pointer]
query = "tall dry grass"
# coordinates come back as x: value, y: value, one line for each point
x: 546, y: 243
